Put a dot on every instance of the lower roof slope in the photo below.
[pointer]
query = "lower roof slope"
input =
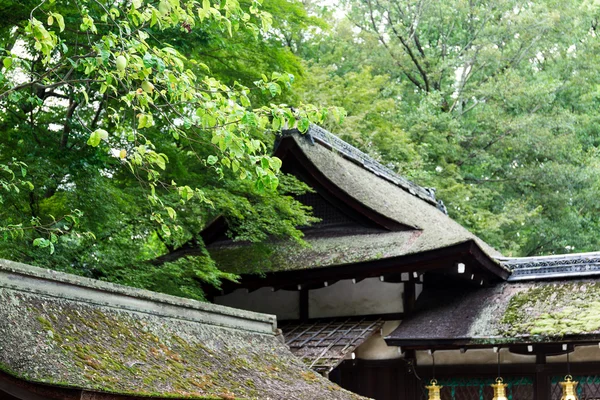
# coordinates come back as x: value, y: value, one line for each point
x: 69, y: 332
x: 509, y: 313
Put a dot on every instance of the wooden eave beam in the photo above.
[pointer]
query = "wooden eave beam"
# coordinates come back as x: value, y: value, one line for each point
x: 487, y: 263
x: 553, y: 347
x: 420, y: 263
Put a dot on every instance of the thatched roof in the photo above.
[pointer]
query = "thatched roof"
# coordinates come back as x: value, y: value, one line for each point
x: 69, y: 333
x: 378, y: 192
x: 509, y: 313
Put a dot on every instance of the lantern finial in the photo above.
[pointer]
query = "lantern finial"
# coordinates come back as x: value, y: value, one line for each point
x: 569, y: 388
x: 499, y: 389
x: 434, y: 390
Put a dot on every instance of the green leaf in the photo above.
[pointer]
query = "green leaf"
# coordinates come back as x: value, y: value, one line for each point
x: 171, y: 212
x: 303, y: 124
x: 212, y: 160
x: 275, y: 163
x: 276, y: 123
x: 60, y: 20
x: 96, y: 137
x: 7, y: 62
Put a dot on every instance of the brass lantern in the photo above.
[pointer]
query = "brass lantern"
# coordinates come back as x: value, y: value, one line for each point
x: 434, y: 390
x: 569, y: 388
x: 499, y: 389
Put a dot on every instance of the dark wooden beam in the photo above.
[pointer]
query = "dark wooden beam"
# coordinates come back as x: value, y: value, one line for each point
x: 548, y: 348
x: 487, y: 263
x: 409, y: 297
x: 420, y: 262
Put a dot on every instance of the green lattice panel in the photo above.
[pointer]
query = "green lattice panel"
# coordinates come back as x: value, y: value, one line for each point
x: 519, y: 388
x: 587, y: 389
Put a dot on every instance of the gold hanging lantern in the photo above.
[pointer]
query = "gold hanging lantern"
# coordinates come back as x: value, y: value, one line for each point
x: 569, y: 388
x: 499, y: 389
x: 434, y: 390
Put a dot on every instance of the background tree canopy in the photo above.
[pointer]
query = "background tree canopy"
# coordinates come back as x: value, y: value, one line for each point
x: 494, y: 103
x: 127, y: 126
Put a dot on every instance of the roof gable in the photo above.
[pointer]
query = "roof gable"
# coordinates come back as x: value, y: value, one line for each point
x: 403, y: 218
x: 351, y: 153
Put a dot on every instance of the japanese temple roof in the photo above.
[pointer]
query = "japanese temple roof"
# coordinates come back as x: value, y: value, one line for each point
x: 508, y: 313
x: 552, y: 267
x: 415, y: 223
x: 323, y: 345
x: 63, y: 336
x: 327, y: 139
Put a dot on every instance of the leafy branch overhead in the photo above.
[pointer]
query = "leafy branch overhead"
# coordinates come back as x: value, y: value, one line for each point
x: 122, y: 88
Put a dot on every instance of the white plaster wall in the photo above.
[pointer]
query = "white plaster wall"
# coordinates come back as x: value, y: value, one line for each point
x: 375, y: 347
x: 473, y: 356
x: 284, y: 304
x: 581, y: 354
x: 369, y: 296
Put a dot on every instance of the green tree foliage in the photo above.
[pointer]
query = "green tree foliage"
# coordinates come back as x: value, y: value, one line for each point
x: 494, y: 103
x: 127, y: 125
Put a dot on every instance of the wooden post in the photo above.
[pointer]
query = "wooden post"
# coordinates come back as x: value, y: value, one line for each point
x: 542, y: 378
x: 411, y: 383
x: 304, y: 305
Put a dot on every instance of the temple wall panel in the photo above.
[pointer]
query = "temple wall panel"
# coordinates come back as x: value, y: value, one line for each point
x: 284, y: 304
x: 370, y: 296
x: 580, y: 354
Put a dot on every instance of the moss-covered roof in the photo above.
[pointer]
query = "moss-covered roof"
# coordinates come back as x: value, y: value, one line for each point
x: 72, y: 332
x: 431, y: 229
x: 506, y: 313
x: 320, y: 252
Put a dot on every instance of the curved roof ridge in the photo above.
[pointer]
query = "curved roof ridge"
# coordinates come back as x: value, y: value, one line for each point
x: 329, y: 140
x: 552, y: 266
x: 517, y: 260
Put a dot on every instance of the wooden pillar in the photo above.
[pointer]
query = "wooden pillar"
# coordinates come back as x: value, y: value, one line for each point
x: 409, y: 297
x: 542, y: 378
x: 411, y: 388
x: 304, y: 305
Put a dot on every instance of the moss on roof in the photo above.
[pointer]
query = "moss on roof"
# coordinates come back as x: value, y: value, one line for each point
x: 507, y: 313
x: 567, y: 308
x: 72, y: 340
x: 320, y: 252
x: 386, y: 198
x: 432, y: 229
